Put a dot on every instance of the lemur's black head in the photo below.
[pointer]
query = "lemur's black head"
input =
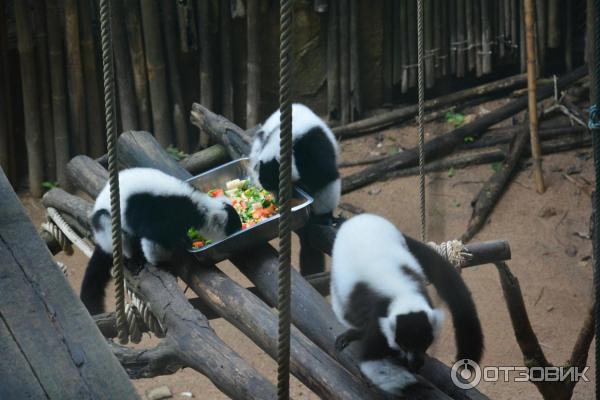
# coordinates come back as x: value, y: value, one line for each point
x: 234, y: 223
x: 414, y: 334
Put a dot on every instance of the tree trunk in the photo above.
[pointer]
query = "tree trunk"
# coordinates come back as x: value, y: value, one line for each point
x: 206, y: 74
x: 253, y: 64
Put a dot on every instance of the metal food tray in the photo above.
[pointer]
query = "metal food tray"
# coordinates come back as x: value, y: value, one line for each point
x: 249, y: 237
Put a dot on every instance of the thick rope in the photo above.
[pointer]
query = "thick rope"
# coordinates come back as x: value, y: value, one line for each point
x: 65, y: 231
x: 63, y: 241
x: 113, y: 172
x: 285, y: 197
x: 454, y: 251
x: 421, y: 106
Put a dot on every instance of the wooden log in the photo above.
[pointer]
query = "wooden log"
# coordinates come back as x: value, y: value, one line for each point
x: 75, y: 206
x: 157, y: 76
x: 500, y: 34
x: 387, y: 56
x: 568, y: 35
x: 531, y: 95
x: 492, y: 190
x: 253, y: 70
x: 205, y: 159
x: 41, y: 51
x: 461, y: 40
x: 403, y: 20
x: 412, y: 43
x: 148, y: 363
x: 205, y: 70
x: 355, y: 92
x: 128, y: 108
x: 29, y: 86
x: 381, y: 121
x: 522, y: 42
x: 77, y: 112
x: 94, y: 106
x: 87, y: 175
x: 177, y: 105
x: 226, y: 61
x: 188, y: 34
x: 138, y: 63
x: 439, y: 39
x: 195, y: 343
x: 443, y: 144
x: 41, y: 300
x: 221, y: 130
x: 333, y: 67
x: 317, y: 370
x: 470, y: 33
x: 344, y: 15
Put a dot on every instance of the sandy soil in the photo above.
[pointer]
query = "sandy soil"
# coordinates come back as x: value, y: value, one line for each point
x: 551, y: 262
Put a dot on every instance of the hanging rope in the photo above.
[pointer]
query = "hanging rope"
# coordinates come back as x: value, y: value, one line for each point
x: 285, y: 197
x: 113, y: 172
x: 65, y: 232
x: 421, y: 106
x: 594, y: 124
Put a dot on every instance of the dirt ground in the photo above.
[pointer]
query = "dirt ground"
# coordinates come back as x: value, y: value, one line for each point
x: 550, y: 259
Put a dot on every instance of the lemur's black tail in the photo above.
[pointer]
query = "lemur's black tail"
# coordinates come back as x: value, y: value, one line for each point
x: 97, y: 275
x: 452, y: 289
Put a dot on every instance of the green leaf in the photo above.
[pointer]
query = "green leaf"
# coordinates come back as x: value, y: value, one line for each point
x: 175, y: 153
x: 496, y: 166
x: 49, y: 185
x: 456, y: 119
x: 469, y: 139
x: 451, y: 172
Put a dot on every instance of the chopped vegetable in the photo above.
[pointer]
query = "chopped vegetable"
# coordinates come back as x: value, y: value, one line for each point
x: 197, y: 239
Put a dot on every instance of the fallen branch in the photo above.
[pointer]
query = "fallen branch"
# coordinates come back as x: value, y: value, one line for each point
x: 527, y: 340
x: 492, y: 190
x: 444, y: 144
x: 389, y: 118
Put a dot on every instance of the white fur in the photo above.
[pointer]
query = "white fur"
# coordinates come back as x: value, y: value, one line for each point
x: 388, y: 376
x: 303, y: 119
x: 370, y: 249
x: 148, y: 180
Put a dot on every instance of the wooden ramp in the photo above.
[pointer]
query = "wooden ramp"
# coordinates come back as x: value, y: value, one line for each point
x: 49, y: 345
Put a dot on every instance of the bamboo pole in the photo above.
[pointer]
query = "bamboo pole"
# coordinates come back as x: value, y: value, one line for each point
x: 451, y: 22
x: 470, y: 28
x: 128, y: 109
x: 387, y: 51
x: 94, y: 107
x: 554, y: 23
x: 157, y: 76
x: 395, y: 41
x: 77, y: 112
x: 514, y: 24
x: 429, y: 52
x: 355, y: 92
x: 252, y: 64
x: 404, y: 38
x: 188, y: 36
x: 412, y: 43
x: 568, y: 35
x: 522, y: 41
x: 532, y: 86
x: 226, y: 61
x: 344, y: 61
x: 177, y: 104
x: 500, y: 32
x: 41, y: 50
x: 477, y: 33
x: 333, y: 68
x: 206, y: 73
x: 138, y: 63
x: 29, y: 86
x: 461, y: 43
x: 539, y: 15
x: 6, y: 131
x: 486, y: 37
x: 59, y: 101
x: 507, y: 24
x: 438, y: 37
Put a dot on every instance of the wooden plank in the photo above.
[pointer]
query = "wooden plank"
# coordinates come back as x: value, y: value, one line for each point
x: 50, y: 324
x: 18, y: 380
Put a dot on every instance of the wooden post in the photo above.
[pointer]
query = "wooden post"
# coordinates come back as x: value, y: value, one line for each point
x: 460, y: 39
x: 128, y: 110
x: 539, y: 11
x: 177, y: 105
x: 226, y: 61
x: 333, y: 69
x: 157, y: 76
x: 486, y: 37
x: 75, y: 83
x: 206, y: 73
x: 344, y: 61
x: 568, y: 35
x: 59, y: 102
x: 138, y: 63
x: 94, y: 107
x: 29, y: 85
x: 531, y: 90
x: 470, y: 28
x: 252, y: 64
x: 6, y: 132
x: 387, y: 56
x: 41, y: 50
x: 412, y: 43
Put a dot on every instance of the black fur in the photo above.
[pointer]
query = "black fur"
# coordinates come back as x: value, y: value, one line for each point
x: 234, y: 223
x: 268, y: 173
x: 453, y: 291
x: 315, y: 159
x: 96, y: 218
x: 95, y: 280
